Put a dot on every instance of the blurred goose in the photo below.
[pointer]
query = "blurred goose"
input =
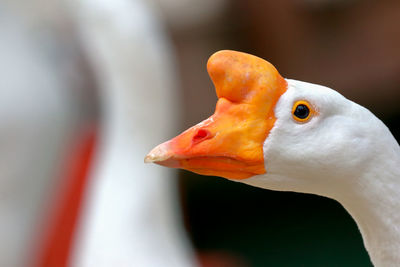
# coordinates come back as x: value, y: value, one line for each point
x: 61, y: 204
x: 130, y: 216
x: 289, y: 135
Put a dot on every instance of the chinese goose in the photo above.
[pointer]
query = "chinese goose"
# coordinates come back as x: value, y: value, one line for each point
x: 57, y: 208
x: 130, y: 215
x: 289, y: 135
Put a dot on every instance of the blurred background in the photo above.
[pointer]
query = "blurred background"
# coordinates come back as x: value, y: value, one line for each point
x: 88, y: 87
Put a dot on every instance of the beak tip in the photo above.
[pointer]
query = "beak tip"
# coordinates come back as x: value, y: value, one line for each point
x: 149, y: 159
x: 157, y: 154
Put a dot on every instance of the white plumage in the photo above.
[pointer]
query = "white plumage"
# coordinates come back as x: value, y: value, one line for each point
x: 130, y: 215
x: 130, y: 218
x: 344, y: 153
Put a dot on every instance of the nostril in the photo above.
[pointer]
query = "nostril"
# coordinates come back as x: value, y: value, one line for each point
x: 201, y: 135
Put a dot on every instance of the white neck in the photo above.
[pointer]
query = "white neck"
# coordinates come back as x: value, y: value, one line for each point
x: 130, y: 215
x: 374, y: 202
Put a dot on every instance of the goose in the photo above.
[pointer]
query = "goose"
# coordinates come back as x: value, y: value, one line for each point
x: 72, y: 196
x: 130, y: 214
x: 288, y: 135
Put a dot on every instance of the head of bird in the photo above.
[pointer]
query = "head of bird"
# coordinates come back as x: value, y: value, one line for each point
x: 272, y: 132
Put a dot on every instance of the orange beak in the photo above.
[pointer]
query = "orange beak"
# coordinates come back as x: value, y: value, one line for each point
x: 229, y: 143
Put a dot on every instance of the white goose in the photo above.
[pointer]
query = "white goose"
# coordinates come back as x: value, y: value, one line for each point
x: 49, y: 215
x: 129, y: 215
x: 288, y: 135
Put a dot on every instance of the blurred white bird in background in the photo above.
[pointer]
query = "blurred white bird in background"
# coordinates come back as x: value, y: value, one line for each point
x: 74, y: 193
x: 131, y: 210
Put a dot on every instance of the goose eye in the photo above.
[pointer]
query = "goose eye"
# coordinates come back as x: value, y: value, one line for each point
x: 301, y: 111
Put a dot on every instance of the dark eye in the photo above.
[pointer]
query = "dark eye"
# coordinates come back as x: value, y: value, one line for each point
x: 301, y: 111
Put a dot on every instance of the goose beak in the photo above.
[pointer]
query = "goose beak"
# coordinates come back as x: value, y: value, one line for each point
x: 229, y: 143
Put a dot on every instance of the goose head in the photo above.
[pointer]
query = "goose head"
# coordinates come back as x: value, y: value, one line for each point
x: 272, y: 132
x: 289, y: 135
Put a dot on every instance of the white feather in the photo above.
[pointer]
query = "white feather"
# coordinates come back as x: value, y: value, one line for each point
x: 343, y: 152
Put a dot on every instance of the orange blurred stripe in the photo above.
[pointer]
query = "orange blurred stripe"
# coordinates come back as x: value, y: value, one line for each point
x: 58, y: 238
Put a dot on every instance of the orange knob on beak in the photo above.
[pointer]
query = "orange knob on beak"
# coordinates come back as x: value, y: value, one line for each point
x: 229, y: 143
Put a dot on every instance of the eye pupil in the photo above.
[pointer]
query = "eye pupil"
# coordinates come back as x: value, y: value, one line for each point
x: 301, y: 111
